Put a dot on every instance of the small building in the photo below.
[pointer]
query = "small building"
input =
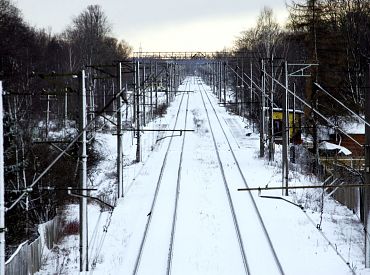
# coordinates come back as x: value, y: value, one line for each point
x: 295, y: 129
x: 354, y: 130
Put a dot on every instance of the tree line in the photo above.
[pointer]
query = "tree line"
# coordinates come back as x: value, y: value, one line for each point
x: 36, y: 68
x: 335, y: 34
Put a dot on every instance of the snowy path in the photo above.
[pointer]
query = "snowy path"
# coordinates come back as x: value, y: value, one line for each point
x: 153, y: 254
x: 205, y: 236
x: 202, y: 201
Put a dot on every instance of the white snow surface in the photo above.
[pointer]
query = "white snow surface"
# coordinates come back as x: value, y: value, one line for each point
x: 354, y: 128
x: 331, y: 146
x: 205, y: 240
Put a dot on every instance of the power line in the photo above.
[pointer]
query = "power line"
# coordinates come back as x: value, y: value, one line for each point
x: 316, y: 111
x: 341, y: 104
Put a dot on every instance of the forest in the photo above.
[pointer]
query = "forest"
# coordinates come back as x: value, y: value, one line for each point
x: 38, y: 71
x: 332, y: 33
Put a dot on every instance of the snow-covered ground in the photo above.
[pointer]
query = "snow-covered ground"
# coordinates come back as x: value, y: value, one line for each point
x: 205, y: 240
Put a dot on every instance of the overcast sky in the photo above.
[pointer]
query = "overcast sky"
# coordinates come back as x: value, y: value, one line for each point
x: 160, y: 25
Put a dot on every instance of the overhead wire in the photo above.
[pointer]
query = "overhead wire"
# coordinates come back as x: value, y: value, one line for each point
x: 314, y: 110
x: 318, y: 226
x: 75, y: 139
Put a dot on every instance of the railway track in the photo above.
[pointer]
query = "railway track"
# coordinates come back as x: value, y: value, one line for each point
x: 251, y: 228
x: 198, y: 223
x: 156, y: 237
x: 208, y: 239
x: 227, y: 190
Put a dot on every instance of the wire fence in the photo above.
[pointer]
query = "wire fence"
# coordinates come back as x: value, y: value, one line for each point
x: 27, y: 259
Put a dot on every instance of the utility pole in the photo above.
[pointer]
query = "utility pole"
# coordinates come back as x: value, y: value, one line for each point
x: 169, y: 91
x: 2, y: 188
x: 143, y: 94
x: 137, y: 95
x: 294, y: 111
x: 285, y: 134
x: 236, y: 90
x: 213, y: 72
x: 242, y: 95
x: 156, y: 86
x: 366, y: 190
x: 151, y: 88
x: 216, y: 79
x: 119, y: 133
x: 174, y: 82
x: 114, y: 107
x: 251, y: 94
x: 92, y: 102
x: 271, y: 122
x: 294, y: 128
x: 133, y: 114
x: 168, y: 84
x: 84, y: 263
x: 262, y: 116
x: 225, y: 82
x: 220, y: 80
x: 104, y: 95
x: 174, y: 79
x: 49, y: 98
x: 47, y: 117
x: 66, y: 109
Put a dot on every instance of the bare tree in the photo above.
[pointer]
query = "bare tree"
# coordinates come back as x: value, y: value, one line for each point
x: 87, y: 35
x: 263, y: 38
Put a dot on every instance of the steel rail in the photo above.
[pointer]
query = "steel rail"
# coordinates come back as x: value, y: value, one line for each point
x: 174, y: 218
x: 153, y: 204
x: 231, y: 204
x: 277, y: 261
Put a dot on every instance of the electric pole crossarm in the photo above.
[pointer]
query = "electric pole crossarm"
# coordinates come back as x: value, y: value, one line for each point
x: 316, y: 112
x: 111, y: 207
x: 266, y: 188
x: 160, y: 130
x: 300, y: 71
